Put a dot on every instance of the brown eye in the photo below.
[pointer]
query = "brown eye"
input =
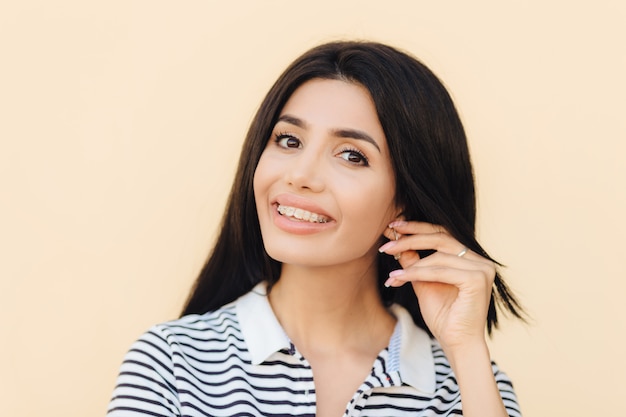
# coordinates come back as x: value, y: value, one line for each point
x: 354, y: 157
x: 288, y: 141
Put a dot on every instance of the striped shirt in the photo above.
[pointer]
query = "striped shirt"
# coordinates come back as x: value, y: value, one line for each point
x: 238, y: 361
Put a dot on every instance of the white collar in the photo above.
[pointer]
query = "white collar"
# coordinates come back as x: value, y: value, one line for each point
x: 417, y: 365
x: 264, y: 336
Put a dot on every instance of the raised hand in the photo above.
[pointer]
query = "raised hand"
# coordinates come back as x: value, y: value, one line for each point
x: 453, y: 285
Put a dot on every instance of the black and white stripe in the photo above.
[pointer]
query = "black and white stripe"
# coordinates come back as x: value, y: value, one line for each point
x: 200, y: 365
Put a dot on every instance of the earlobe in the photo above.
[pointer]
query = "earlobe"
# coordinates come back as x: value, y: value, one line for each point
x: 396, y: 236
x: 399, y: 217
x: 391, y: 232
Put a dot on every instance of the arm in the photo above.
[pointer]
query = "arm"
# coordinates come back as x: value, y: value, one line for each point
x: 480, y: 395
x: 453, y: 286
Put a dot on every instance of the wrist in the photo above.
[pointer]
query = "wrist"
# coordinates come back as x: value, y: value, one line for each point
x: 471, y: 363
x: 468, y: 355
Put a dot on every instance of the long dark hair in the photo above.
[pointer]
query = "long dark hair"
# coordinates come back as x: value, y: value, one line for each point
x: 429, y: 153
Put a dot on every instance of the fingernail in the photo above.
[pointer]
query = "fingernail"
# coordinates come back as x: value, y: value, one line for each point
x: 397, y: 223
x: 387, y: 246
x: 392, y: 277
x: 396, y: 273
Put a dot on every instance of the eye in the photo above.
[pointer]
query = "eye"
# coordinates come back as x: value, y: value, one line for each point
x: 353, y: 156
x: 285, y: 140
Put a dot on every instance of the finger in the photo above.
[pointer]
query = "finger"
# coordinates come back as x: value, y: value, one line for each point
x: 453, y: 261
x: 433, y: 274
x: 398, y: 228
x: 470, y: 282
x: 392, y: 234
x: 414, y: 227
x: 447, y: 269
x: 438, y: 234
x: 439, y: 241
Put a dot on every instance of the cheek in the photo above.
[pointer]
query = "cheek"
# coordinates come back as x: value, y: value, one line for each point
x: 260, y: 178
x: 371, y: 208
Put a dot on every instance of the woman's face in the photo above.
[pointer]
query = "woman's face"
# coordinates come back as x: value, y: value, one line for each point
x: 324, y: 186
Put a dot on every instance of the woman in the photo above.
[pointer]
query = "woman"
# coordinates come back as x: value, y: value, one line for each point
x: 346, y: 279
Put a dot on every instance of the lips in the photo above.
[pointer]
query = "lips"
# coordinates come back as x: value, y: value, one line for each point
x: 301, y: 214
x: 298, y: 215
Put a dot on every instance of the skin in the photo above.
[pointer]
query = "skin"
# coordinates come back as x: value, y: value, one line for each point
x: 312, y: 161
x: 326, y: 298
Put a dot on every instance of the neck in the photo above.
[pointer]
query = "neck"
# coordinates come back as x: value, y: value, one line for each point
x: 331, y: 309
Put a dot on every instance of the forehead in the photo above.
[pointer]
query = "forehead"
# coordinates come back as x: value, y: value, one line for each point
x: 335, y: 104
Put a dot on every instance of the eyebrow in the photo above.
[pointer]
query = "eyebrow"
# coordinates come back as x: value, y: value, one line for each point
x: 342, y: 133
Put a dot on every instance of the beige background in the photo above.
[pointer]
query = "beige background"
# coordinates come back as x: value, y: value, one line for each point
x: 120, y: 126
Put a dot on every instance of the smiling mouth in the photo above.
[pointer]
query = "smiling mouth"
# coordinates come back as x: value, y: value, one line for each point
x: 301, y: 215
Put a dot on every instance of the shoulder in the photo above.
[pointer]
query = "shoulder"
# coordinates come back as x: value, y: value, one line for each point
x: 198, y: 324
x: 190, y: 331
x: 236, y: 326
x: 168, y: 353
x: 200, y: 336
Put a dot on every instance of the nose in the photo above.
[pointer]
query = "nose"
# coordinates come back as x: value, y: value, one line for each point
x: 306, y: 172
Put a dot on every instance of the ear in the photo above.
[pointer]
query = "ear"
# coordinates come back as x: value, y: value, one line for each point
x: 395, y: 213
x: 399, y: 214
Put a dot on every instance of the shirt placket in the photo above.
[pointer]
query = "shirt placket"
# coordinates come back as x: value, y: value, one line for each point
x: 380, y: 377
x: 305, y: 385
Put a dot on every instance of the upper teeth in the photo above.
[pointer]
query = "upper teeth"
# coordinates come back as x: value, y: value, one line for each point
x: 301, y: 214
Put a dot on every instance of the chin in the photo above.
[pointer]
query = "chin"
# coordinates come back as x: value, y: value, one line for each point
x: 316, y: 258
x: 289, y: 257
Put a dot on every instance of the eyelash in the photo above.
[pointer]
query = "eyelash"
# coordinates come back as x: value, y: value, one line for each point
x: 281, y: 136
x: 364, y: 161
